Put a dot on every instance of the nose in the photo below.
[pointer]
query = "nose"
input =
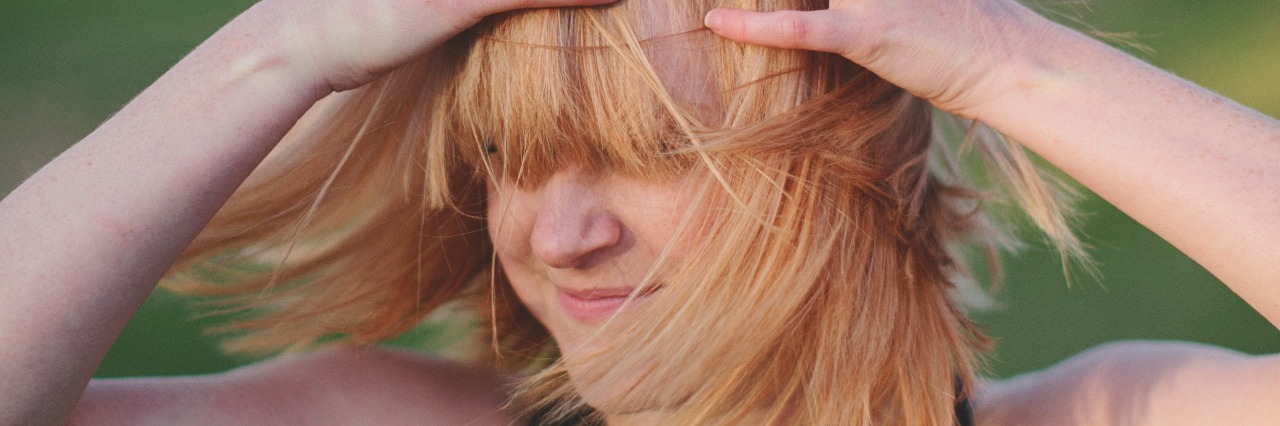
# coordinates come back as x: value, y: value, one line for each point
x: 574, y: 226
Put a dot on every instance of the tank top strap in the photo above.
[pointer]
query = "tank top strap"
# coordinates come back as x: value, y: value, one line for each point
x: 964, y: 410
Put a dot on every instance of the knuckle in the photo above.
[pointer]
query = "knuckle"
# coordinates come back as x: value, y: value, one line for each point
x: 741, y: 28
x: 793, y: 30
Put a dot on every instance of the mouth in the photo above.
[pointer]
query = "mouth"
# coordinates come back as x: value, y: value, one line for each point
x: 597, y: 304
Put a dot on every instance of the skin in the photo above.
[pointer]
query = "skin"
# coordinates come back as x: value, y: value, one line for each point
x: 583, y: 236
x: 84, y: 240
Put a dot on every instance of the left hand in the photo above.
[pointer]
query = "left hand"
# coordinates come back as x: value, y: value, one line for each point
x: 957, y: 54
x: 1195, y: 168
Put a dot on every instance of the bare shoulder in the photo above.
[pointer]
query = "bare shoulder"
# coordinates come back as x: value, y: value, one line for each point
x: 350, y: 386
x: 1139, y: 382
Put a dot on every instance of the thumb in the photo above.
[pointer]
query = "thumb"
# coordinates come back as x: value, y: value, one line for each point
x: 818, y: 30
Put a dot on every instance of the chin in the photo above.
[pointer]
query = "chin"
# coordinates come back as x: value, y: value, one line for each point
x: 618, y: 395
x: 612, y: 399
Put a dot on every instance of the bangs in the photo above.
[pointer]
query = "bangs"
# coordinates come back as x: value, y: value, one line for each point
x: 641, y: 89
x: 542, y: 94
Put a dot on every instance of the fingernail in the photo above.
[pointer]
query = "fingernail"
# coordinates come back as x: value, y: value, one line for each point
x: 712, y: 19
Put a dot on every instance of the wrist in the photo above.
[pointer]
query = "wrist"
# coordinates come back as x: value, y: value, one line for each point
x: 260, y: 48
x: 1070, y: 90
x: 1056, y: 62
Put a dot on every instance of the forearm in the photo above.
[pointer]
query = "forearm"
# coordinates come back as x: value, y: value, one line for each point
x: 1199, y: 170
x: 84, y: 240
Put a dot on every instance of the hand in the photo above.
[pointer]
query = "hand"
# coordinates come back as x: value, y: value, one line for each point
x: 958, y: 54
x: 347, y: 43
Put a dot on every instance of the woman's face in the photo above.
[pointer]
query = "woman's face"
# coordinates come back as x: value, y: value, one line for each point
x: 575, y: 247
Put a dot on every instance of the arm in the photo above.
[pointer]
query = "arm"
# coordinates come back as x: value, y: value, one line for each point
x: 1195, y: 168
x: 1157, y: 383
x: 350, y: 386
x: 86, y: 238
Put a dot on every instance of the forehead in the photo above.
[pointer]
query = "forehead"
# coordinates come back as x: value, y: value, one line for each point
x: 683, y: 63
x: 680, y: 50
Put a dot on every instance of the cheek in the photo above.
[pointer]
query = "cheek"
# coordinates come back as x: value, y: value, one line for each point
x: 509, y: 236
x: 529, y: 294
x: 493, y: 205
x: 669, y: 216
x: 503, y: 222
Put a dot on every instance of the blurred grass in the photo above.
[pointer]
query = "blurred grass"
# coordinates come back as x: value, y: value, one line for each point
x: 66, y: 66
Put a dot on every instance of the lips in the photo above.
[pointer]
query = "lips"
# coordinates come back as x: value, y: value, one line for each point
x: 595, y: 304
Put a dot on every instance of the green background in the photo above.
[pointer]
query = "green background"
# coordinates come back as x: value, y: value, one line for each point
x: 67, y: 65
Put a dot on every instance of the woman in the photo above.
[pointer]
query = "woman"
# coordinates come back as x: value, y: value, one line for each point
x: 590, y: 243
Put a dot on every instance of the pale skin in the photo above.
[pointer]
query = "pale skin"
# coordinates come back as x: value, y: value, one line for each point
x: 84, y: 240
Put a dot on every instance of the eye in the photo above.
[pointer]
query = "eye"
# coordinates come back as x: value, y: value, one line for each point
x: 489, y: 147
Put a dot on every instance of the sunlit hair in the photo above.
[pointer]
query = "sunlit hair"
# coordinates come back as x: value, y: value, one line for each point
x: 815, y: 282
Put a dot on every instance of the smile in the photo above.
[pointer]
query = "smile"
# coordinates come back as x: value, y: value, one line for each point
x: 596, y: 304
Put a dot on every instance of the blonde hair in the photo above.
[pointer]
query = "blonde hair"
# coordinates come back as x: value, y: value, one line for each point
x: 831, y: 243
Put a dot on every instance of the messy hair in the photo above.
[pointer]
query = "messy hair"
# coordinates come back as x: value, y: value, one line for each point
x: 834, y: 226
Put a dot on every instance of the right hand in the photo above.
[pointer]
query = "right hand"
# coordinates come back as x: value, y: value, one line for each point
x: 347, y: 43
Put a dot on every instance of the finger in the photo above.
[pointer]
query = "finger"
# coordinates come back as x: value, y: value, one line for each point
x: 559, y: 3
x: 505, y: 5
x: 792, y: 29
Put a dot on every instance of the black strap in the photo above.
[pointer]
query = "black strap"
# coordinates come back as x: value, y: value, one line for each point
x: 964, y: 410
x: 964, y: 414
